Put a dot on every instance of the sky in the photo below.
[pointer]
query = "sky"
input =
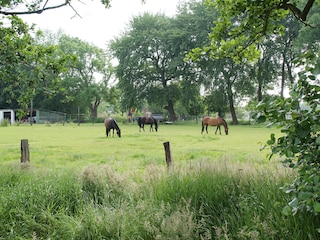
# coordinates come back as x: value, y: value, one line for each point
x: 98, y: 25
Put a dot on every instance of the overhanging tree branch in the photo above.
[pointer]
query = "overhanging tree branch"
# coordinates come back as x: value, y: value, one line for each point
x: 302, y: 15
x: 38, y: 11
x: 36, y: 7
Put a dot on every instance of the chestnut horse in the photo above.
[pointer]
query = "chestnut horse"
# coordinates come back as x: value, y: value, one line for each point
x: 111, y: 123
x: 206, y: 121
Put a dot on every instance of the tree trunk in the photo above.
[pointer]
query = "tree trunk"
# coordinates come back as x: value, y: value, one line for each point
x: 170, y: 109
x: 259, y: 91
x: 93, y: 111
x: 231, y: 105
x: 289, y: 68
x: 260, y: 83
x: 93, y: 107
x: 282, y: 78
x: 232, y: 109
x: 233, y: 114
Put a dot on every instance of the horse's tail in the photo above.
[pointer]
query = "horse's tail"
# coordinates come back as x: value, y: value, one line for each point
x: 139, y: 121
x: 202, y: 123
x: 155, y: 124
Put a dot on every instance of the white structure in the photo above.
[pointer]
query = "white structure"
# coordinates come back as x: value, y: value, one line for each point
x: 7, y: 113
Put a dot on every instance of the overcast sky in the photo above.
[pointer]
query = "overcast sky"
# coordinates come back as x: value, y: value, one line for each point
x: 97, y: 24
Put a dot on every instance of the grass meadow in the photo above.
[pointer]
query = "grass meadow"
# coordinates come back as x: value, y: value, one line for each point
x: 82, y: 185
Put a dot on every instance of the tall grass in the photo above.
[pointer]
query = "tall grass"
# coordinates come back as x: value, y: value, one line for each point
x: 4, y: 123
x: 207, y: 202
x: 80, y: 185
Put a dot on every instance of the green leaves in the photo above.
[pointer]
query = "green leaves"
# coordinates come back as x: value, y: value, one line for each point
x: 299, y: 119
x: 316, y: 207
x: 243, y: 24
x: 151, y: 65
x: 24, y: 64
x: 86, y: 82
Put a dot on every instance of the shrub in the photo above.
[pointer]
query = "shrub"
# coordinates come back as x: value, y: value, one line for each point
x: 299, y: 146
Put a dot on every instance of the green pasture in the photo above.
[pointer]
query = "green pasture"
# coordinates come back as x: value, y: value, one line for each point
x: 82, y: 185
x: 74, y: 146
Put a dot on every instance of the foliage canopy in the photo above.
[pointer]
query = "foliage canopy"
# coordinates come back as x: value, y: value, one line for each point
x: 242, y: 24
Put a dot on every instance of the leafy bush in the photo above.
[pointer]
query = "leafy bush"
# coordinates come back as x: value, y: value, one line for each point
x: 299, y: 146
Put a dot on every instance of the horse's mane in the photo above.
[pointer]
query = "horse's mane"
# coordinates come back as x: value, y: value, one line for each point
x: 116, y: 125
x: 225, y: 122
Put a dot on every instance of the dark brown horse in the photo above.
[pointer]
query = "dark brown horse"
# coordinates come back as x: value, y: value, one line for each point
x: 148, y: 120
x: 111, y: 123
x: 209, y: 121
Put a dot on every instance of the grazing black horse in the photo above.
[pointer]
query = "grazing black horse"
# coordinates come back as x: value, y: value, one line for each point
x: 148, y: 120
x: 111, y: 123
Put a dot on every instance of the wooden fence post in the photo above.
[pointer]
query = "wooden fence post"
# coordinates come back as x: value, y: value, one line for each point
x: 25, y: 155
x: 168, y: 153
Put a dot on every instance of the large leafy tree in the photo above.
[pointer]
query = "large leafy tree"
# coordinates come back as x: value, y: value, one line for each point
x: 242, y: 24
x: 264, y: 72
x: 287, y: 51
x: 87, y: 80
x: 232, y: 81
x: 26, y: 66
x: 224, y: 83
x: 149, y: 62
x: 196, y: 21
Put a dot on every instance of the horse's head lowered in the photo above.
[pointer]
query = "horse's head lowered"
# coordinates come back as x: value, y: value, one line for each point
x: 119, y: 132
x: 111, y: 123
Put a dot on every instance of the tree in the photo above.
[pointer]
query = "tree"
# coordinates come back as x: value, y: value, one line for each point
x: 191, y: 99
x: 148, y: 58
x: 197, y: 20
x: 264, y: 72
x: 227, y: 84
x: 216, y: 102
x: 24, y: 65
x: 88, y: 78
x: 242, y: 24
x: 287, y: 51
